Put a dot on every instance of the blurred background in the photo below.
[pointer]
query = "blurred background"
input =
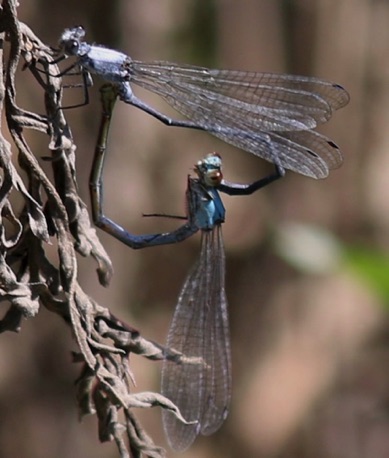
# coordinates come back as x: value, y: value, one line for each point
x: 307, y: 261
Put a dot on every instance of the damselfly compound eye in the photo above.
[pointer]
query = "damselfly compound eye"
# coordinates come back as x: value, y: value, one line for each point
x: 71, y: 47
x: 209, y: 170
x: 213, y: 177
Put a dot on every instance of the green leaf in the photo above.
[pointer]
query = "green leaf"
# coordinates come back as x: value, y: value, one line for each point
x: 372, y: 267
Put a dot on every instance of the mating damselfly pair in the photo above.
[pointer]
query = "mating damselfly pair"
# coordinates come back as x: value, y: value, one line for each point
x: 269, y: 115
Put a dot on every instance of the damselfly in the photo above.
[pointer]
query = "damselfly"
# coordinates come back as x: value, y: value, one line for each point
x: 267, y: 114
x: 199, y: 329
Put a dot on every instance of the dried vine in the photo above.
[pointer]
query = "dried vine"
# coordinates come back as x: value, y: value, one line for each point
x: 53, y: 211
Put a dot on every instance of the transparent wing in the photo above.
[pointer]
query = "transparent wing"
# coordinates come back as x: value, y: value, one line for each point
x: 218, y: 354
x: 201, y: 388
x: 266, y: 101
x: 242, y: 107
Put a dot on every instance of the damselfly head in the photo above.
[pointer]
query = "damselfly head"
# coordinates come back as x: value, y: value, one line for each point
x: 209, y: 170
x: 70, y: 40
